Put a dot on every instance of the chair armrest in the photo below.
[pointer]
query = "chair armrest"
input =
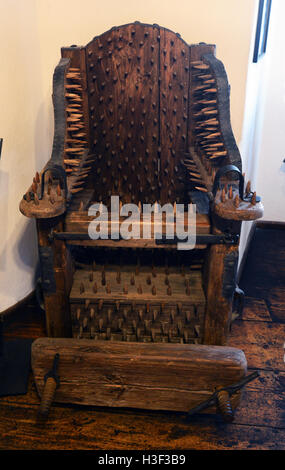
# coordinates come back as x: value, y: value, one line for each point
x: 64, y: 174
x: 214, y: 147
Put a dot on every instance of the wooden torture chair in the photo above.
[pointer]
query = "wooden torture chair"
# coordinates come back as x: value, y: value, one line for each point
x: 140, y: 114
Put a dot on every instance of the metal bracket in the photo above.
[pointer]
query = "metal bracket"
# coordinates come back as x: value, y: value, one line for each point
x: 230, y: 389
x: 228, y: 169
x: 238, y: 301
x: 229, y: 274
x: 53, y: 371
x: 207, y: 239
x: 58, y: 171
x: 48, y: 279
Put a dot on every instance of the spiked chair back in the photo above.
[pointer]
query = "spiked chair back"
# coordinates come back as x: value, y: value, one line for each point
x: 150, y: 97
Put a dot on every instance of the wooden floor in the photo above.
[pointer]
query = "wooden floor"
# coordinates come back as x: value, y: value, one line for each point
x: 260, y: 419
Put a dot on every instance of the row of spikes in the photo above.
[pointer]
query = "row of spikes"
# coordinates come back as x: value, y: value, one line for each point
x: 102, y: 268
x: 120, y: 308
x: 135, y: 313
x: 112, y: 39
x: 53, y: 192
x: 76, y: 137
x: 207, y: 133
x: 81, y: 174
x: 75, y: 141
x: 149, y: 282
x: 125, y: 289
x: 141, y: 328
x: 202, y: 176
x: 139, y: 321
x: 139, y: 334
x: 137, y: 271
x: 227, y: 193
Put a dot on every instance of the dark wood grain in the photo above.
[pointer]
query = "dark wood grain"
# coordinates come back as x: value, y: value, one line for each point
x: 174, y: 117
x: 122, y: 71
x: 97, y: 430
x: 56, y: 302
x: 137, y: 375
x: 218, y: 309
x: 259, y: 421
x: 262, y: 343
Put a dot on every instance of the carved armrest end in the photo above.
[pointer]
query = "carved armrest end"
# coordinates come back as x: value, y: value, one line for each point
x: 45, y: 198
x: 229, y: 204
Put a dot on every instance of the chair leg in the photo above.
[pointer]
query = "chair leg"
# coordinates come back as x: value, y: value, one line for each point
x: 220, y: 281
x: 57, y: 272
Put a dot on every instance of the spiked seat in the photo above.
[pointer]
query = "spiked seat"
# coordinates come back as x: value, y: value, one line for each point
x: 142, y: 115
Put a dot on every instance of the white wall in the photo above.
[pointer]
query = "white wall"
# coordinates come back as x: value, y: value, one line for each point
x: 263, y: 138
x: 250, y: 140
x: 21, y: 99
x: 271, y: 130
x: 32, y: 32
